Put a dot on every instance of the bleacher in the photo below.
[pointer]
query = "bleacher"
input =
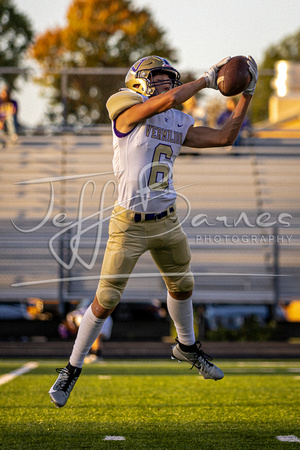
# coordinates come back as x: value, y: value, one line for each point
x: 54, y: 188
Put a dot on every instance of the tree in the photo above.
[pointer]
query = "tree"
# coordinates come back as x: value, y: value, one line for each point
x: 15, y: 36
x: 99, y: 33
x: 288, y: 49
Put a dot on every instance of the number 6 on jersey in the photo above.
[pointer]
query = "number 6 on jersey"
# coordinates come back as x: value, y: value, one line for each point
x: 159, y: 174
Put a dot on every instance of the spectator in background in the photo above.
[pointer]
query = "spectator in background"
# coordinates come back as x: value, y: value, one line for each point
x: 246, y: 126
x: 8, y: 113
x: 191, y: 107
x: 69, y: 327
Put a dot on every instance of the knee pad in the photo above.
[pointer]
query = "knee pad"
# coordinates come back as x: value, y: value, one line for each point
x: 180, y: 284
x: 108, y: 297
x: 186, y: 283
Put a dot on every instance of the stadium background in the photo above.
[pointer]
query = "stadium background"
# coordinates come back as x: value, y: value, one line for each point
x: 240, y: 209
x: 250, y: 257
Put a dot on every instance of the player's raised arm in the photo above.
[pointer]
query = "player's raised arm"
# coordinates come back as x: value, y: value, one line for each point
x: 165, y: 100
x: 155, y: 80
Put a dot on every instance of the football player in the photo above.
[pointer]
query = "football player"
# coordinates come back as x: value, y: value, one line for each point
x: 147, y: 137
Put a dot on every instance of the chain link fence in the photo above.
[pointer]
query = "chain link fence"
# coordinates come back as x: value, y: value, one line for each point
x: 70, y: 98
x: 75, y: 98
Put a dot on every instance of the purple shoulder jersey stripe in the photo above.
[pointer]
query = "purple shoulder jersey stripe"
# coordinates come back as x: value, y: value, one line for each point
x: 119, y: 134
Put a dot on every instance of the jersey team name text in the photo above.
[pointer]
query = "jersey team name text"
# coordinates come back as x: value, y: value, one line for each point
x: 163, y: 134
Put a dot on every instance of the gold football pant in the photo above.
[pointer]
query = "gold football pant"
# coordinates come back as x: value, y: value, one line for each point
x: 128, y: 240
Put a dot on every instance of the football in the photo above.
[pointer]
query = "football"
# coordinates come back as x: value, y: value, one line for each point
x: 234, y: 77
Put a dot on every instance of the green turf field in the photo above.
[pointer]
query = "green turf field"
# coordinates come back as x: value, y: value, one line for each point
x: 153, y: 405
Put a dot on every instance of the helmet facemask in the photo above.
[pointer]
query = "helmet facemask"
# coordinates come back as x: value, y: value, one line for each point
x: 173, y: 80
x: 140, y: 76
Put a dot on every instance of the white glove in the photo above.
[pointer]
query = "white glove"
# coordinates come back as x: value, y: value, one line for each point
x: 254, y: 75
x: 212, y: 74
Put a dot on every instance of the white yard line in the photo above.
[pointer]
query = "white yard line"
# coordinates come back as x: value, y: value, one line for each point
x: 16, y: 373
x: 114, y: 438
x: 289, y: 438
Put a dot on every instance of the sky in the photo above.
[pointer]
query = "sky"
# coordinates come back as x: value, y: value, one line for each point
x: 202, y: 32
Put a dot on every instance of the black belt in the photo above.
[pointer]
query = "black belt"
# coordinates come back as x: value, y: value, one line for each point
x: 153, y: 216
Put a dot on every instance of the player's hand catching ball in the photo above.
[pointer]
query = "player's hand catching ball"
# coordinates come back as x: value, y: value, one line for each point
x: 212, y: 74
x: 254, y: 75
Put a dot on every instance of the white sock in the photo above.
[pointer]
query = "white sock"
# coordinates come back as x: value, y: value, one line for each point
x: 88, y: 332
x: 181, y: 312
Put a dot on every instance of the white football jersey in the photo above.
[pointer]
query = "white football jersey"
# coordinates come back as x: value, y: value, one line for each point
x: 143, y: 161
